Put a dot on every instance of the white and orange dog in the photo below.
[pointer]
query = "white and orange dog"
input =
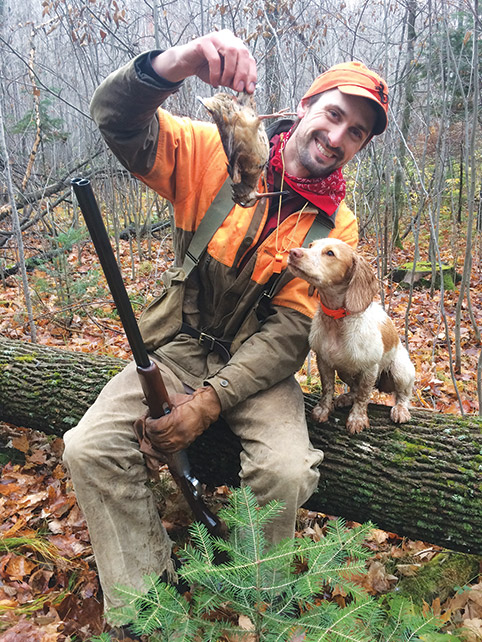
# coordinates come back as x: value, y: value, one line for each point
x: 352, y: 334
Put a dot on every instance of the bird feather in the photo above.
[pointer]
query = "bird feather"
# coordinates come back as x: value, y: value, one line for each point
x: 244, y: 140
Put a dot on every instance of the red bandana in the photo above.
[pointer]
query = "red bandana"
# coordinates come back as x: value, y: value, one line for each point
x: 326, y: 193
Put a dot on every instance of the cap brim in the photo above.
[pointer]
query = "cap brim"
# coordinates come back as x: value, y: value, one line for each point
x: 382, y: 120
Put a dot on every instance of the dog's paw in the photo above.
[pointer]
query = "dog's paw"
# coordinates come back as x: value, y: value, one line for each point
x: 344, y: 400
x: 399, y: 414
x: 356, y: 423
x: 320, y: 413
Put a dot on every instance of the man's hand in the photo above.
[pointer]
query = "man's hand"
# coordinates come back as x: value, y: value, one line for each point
x: 190, y: 416
x: 219, y: 58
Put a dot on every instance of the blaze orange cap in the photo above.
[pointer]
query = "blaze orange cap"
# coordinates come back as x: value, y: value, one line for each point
x: 356, y: 79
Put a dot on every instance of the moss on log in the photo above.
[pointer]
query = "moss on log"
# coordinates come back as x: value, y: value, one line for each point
x: 49, y: 389
x: 422, y: 479
x: 422, y: 275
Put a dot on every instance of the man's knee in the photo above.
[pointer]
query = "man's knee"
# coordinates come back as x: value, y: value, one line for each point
x: 100, y: 445
x: 76, y: 448
x: 297, y: 471
x: 294, y: 466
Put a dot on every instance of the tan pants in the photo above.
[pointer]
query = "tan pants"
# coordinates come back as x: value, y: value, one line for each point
x: 109, y: 475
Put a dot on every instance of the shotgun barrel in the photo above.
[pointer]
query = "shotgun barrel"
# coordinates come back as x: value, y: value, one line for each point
x: 150, y: 377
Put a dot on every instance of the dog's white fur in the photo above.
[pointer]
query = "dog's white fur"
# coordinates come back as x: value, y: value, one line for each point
x: 363, y: 347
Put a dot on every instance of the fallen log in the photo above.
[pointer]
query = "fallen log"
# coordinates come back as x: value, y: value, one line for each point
x: 422, y: 480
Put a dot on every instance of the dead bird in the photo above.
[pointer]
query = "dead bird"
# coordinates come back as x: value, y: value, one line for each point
x: 244, y: 141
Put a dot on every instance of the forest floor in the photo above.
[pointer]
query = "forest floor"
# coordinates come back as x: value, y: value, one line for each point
x: 49, y: 589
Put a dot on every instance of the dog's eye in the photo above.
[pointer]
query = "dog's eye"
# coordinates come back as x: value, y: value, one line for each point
x: 330, y: 253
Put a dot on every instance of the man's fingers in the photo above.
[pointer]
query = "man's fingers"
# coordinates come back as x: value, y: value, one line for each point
x: 239, y: 71
x: 252, y: 76
x: 239, y: 67
x: 219, y: 58
x: 213, y: 62
x: 228, y: 61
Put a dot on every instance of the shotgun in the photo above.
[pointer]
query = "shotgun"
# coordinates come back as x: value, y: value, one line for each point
x: 150, y: 377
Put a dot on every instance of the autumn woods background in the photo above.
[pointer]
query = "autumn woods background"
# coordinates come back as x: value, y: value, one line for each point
x: 416, y: 190
x: 417, y: 193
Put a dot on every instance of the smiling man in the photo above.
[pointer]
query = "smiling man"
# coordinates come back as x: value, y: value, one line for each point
x: 330, y: 132
x: 236, y: 330
x: 338, y: 116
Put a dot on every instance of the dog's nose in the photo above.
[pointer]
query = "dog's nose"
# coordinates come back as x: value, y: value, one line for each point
x: 296, y: 253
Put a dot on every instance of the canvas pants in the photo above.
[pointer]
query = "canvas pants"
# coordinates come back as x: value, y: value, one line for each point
x: 109, y: 475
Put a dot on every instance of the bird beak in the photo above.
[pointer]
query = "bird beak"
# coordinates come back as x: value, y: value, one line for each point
x: 270, y: 194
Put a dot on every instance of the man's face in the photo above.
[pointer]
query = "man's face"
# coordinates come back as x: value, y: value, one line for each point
x: 331, y: 131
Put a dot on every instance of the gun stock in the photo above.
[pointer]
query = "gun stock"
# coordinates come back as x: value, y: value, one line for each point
x: 150, y: 377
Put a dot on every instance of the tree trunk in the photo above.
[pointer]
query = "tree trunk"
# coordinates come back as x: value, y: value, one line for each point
x: 421, y: 480
x: 407, y: 110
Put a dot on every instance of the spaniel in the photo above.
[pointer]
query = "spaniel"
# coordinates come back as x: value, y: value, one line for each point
x: 352, y: 334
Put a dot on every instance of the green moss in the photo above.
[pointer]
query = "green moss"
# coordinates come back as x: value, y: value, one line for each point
x: 415, y: 448
x: 55, y: 379
x: 458, y: 499
x: 113, y: 371
x: 408, y: 451
x: 420, y: 266
x: 423, y: 266
x: 476, y: 463
x: 448, y: 273
x: 438, y: 577
x: 467, y: 472
x: 418, y: 495
x: 26, y: 357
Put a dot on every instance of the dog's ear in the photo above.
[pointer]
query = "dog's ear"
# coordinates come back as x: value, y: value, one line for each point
x: 362, y: 287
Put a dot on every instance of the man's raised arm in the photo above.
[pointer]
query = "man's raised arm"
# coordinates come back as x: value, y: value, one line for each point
x: 219, y: 59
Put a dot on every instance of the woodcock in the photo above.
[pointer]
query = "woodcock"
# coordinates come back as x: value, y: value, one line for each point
x: 244, y: 140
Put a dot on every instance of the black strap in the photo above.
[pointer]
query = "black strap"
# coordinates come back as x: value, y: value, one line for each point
x: 207, y: 341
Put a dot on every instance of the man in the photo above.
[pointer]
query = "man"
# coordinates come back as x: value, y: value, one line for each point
x: 250, y: 379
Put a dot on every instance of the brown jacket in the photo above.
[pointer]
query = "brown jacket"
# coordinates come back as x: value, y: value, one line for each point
x: 183, y: 160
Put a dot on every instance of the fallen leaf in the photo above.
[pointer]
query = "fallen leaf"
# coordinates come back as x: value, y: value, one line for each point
x: 37, y: 458
x: 39, y: 581
x: 377, y: 580
x: 468, y: 602
x: 21, y: 632
x: 68, y: 545
x: 472, y: 630
x: 34, y: 499
x: 378, y: 536
x: 245, y: 623
x: 21, y: 443
x: 18, y: 567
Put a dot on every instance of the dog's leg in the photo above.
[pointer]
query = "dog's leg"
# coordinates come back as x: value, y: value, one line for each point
x: 358, y: 417
x: 403, y: 374
x: 324, y: 407
x: 346, y: 398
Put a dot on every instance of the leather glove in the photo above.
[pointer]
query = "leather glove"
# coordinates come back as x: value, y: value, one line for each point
x: 190, y: 416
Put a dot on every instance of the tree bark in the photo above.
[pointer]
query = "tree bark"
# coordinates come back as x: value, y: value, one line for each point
x: 421, y: 480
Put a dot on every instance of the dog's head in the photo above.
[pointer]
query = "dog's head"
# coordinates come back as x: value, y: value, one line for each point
x: 332, y: 266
